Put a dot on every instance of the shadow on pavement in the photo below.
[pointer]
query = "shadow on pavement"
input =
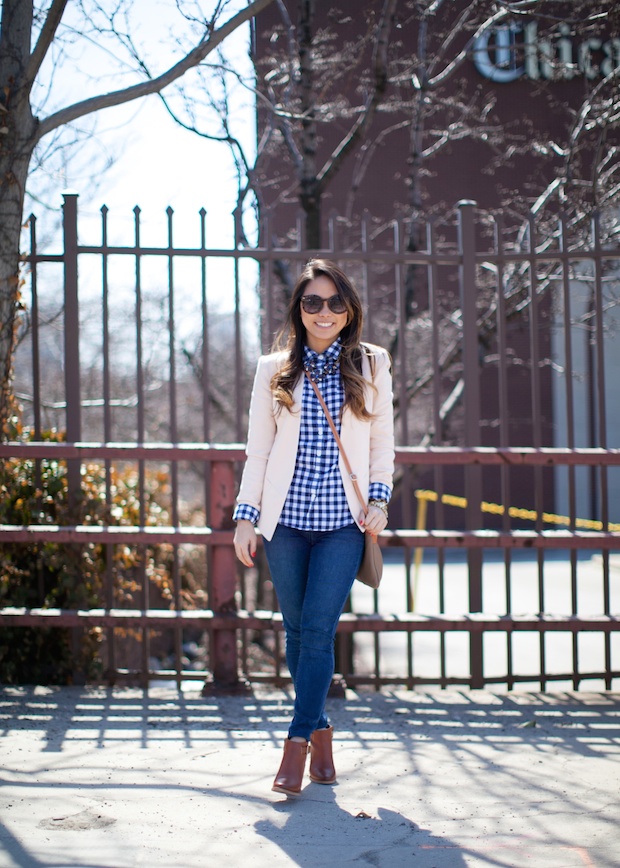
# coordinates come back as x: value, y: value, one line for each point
x: 588, y: 724
x: 309, y: 843
x: 450, y: 778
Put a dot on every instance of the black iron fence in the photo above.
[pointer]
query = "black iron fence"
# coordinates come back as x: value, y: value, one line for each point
x: 505, y: 356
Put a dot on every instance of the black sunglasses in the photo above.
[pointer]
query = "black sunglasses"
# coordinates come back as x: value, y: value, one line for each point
x: 314, y: 303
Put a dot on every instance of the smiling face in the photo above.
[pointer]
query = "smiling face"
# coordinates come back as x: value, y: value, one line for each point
x: 322, y: 328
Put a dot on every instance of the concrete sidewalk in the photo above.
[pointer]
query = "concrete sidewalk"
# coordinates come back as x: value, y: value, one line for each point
x: 114, y: 778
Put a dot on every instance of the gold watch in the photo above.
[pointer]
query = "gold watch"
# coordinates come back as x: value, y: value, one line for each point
x: 380, y: 504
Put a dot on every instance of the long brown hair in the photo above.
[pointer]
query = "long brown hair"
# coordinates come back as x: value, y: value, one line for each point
x: 292, y: 337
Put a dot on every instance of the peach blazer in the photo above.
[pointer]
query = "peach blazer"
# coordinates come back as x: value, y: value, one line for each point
x: 273, y: 437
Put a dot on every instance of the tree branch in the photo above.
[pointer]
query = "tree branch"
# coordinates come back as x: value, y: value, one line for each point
x: 145, y: 88
x: 284, y: 117
x: 380, y: 83
x: 46, y: 37
x: 363, y: 160
x: 452, y: 34
x: 445, y: 411
x: 456, y: 61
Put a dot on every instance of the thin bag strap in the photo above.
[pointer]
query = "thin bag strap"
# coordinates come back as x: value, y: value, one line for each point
x: 328, y: 416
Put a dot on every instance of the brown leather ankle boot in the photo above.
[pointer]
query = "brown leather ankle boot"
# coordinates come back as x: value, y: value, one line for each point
x: 291, y: 771
x: 322, y: 769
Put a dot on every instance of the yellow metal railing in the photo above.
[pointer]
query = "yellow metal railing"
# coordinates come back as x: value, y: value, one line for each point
x: 425, y: 496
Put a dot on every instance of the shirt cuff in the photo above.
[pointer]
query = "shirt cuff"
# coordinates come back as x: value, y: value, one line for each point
x: 247, y: 512
x: 379, y: 491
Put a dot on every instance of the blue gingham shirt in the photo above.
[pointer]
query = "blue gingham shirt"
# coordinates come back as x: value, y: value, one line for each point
x: 316, y: 498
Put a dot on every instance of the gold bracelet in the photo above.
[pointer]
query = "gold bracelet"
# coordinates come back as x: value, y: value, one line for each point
x: 380, y: 504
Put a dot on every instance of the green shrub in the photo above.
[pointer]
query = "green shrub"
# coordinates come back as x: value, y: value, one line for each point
x: 53, y: 575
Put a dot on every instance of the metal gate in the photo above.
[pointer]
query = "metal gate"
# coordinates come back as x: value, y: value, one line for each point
x: 146, y: 373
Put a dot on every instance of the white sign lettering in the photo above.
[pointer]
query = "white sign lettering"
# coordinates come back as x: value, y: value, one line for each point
x: 511, y: 51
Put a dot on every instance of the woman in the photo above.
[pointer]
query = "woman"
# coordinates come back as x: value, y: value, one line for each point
x: 295, y: 489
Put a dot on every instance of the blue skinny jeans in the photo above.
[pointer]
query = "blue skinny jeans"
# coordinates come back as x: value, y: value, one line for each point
x: 312, y: 572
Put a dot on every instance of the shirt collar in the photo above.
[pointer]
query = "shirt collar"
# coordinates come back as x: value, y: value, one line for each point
x: 332, y: 352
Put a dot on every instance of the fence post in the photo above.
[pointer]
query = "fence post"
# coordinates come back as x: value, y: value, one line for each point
x: 73, y: 410
x: 73, y: 401
x: 224, y: 578
x: 471, y: 402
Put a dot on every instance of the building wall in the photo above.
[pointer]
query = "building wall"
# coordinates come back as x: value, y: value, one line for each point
x: 533, y: 86
x: 583, y: 430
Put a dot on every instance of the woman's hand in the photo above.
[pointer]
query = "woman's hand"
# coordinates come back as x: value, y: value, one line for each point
x: 375, y: 521
x: 245, y: 542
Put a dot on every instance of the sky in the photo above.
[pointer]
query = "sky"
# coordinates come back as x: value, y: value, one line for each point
x: 155, y: 163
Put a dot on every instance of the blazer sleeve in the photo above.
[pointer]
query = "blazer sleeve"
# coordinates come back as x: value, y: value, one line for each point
x: 382, y: 424
x: 261, y: 435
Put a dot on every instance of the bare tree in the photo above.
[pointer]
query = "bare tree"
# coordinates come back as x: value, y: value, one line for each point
x: 302, y: 88
x: 331, y: 93
x: 29, y: 38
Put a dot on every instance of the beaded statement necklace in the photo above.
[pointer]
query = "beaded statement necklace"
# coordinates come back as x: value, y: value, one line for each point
x: 318, y: 370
